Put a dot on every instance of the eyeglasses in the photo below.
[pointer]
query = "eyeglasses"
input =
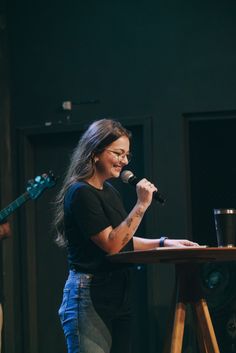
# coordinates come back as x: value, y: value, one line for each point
x: 121, y: 155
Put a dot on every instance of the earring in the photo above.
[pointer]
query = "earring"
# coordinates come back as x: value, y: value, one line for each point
x: 95, y: 159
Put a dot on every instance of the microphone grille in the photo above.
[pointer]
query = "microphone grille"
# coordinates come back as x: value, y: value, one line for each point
x: 126, y: 175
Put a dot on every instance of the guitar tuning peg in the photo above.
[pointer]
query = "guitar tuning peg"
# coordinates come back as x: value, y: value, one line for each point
x: 38, y: 179
x: 30, y: 182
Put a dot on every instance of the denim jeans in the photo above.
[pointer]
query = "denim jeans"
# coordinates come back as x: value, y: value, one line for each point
x: 96, y: 312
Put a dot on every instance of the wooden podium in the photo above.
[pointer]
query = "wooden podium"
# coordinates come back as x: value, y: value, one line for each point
x: 188, y: 289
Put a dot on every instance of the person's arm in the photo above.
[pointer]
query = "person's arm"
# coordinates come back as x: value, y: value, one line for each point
x: 146, y: 244
x: 112, y: 240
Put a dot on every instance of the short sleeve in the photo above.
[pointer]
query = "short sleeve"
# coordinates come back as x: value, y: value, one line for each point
x: 87, y: 211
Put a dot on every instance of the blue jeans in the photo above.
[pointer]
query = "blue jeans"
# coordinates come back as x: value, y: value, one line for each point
x: 96, y: 312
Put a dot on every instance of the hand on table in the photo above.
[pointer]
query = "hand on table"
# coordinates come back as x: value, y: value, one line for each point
x: 180, y: 243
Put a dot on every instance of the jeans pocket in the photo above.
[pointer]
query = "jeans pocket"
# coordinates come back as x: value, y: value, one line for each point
x: 64, y: 304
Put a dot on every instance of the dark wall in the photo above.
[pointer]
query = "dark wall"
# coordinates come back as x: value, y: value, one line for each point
x: 212, y: 153
x: 139, y: 58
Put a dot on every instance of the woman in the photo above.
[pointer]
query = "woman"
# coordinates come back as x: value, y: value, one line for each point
x: 96, y: 310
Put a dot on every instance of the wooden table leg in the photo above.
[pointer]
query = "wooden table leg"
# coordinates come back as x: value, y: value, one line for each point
x: 188, y: 290
x: 179, y: 315
x: 200, y: 339
x: 169, y: 326
x: 178, y: 328
x: 207, y: 334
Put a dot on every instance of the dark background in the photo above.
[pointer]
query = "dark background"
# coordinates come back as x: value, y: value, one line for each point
x: 167, y: 70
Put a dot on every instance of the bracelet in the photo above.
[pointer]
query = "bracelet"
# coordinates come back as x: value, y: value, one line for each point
x: 161, y: 241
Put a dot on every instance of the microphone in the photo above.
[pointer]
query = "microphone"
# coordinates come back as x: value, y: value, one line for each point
x: 129, y: 178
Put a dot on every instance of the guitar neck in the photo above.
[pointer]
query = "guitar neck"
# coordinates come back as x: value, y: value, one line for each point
x: 13, y: 206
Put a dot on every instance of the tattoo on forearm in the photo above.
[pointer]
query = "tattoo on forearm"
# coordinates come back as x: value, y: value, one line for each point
x: 139, y: 214
x: 129, y: 222
x: 125, y: 239
x: 112, y: 235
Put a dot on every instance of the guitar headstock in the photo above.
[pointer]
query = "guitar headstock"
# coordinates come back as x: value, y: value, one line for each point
x: 41, y: 182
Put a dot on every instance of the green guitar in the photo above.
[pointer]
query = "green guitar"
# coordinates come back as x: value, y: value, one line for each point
x: 33, y: 191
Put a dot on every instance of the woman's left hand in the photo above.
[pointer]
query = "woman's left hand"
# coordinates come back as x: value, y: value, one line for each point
x: 180, y: 243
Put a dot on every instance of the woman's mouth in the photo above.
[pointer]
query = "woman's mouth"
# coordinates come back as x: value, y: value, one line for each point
x: 117, y: 168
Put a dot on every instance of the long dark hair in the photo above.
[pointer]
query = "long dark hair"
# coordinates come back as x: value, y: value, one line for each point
x: 96, y: 138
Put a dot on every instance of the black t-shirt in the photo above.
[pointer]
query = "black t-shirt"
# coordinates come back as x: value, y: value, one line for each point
x: 87, y: 212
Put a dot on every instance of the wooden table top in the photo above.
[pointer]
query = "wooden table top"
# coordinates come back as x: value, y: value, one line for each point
x: 176, y: 255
